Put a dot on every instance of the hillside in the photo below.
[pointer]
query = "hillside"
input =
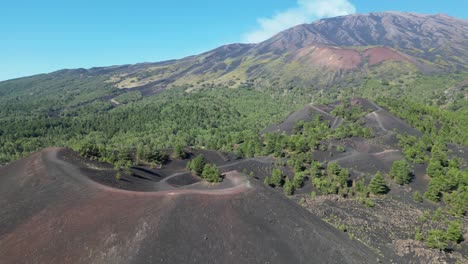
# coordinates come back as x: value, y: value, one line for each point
x: 340, y: 141
x: 331, y: 153
x: 70, y: 218
x: 321, y: 52
x: 334, y: 153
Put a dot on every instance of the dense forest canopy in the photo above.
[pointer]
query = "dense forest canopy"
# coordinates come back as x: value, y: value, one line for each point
x: 70, y: 109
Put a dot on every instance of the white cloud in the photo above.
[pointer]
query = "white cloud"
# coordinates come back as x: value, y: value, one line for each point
x: 305, y: 12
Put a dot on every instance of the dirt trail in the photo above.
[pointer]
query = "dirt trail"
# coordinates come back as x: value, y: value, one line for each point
x: 386, y: 151
x: 234, y: 182
x: 320, y: 110
x: 264, y: 160
x: 336, y: 122
x: 377, y: 118
x: 354, y: 153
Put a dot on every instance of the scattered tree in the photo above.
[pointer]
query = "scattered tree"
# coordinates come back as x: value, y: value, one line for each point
x: 437, y: 239
x: 438, y: 215
x: 417, y: 197
x: 156, y: 156
x: 378, y: 184
x: 266, y: 181
x: 179, y: 152
x: 140, y: 154
x: 276, y: 178
x: 197, y: 164
x: 400, y: 172
x: 434, y: 168
x: 211, y: 173
x: 454, y: 232
x: 127, y: 169
x: 288, y: 187
x: 313, y: 194
x: 417, y: 234
x: 333, y: 169
x: 298, y: 180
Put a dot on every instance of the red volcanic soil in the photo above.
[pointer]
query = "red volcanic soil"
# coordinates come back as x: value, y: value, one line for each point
x: 53, y: 213
x: 331, y: 57
x: 380, y: 54
x: 344, y: 59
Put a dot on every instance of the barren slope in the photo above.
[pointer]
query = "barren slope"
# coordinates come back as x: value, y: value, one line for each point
x: 52, y: 213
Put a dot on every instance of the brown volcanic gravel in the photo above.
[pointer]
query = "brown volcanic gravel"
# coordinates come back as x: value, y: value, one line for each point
x: 53, y: 213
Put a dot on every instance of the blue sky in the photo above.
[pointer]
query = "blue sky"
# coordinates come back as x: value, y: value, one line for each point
x: 43, y: 36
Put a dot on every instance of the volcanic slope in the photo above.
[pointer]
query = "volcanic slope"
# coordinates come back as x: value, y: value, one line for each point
x: 320, y: 52
x: 324, y: 52
x: 362, y: 155
x: 53, y: 213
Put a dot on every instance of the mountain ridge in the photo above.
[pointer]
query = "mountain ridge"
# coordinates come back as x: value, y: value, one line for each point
x: 336, y: 47
x: 338, y: 52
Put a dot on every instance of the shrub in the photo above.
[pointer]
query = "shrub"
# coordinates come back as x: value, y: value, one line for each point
x: 288, y: 187
x: 313, y: 194
x: 266, y: 181
x: 197, y: 164
x: 417, y: 197
x: 417, y: 234
x: 340, y: 149
x: 211, y: 173
x: 437, y: 239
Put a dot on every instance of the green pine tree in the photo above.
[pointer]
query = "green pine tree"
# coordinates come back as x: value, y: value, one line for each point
x: 288, y: 187
x: 434, y: 168
x: 179, y: 152
x: 400, y: 172
x: 437, y: 239
x: 197, y: 165
x: 298, y: 180
x: 211, y: 173
x: 378, y: 184
x: 417, y: 197
x: 333, y: 169
x: 454, y: 232
x: 276, y: 178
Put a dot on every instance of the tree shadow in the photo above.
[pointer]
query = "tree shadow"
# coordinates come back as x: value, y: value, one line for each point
x: 146, y: 171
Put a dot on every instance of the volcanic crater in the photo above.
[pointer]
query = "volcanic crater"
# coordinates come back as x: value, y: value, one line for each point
x: 53, y: 212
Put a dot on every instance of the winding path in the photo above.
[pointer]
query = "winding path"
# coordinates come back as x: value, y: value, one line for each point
x: 356, y: 153
x: 71, y: 174
x: 264, y: 160
x: 320, y: 110
x: 377, y: 118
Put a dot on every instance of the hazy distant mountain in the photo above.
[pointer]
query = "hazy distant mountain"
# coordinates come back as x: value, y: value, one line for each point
x: 421, y: 35
x: 320, y: 52
x: 323, y: 53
